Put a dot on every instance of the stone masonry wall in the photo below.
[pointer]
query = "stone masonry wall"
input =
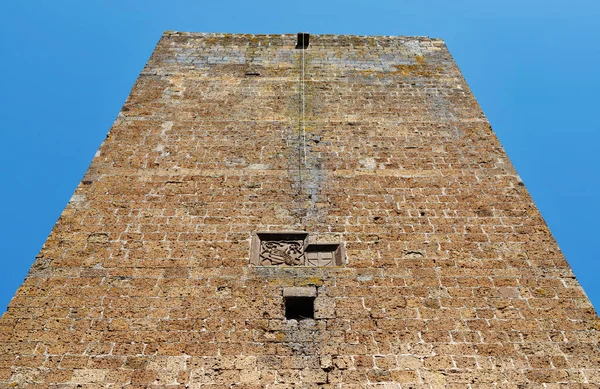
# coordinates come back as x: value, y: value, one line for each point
x: 450, y: 276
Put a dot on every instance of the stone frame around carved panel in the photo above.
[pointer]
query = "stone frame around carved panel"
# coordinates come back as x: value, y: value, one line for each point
x: 293, y: 248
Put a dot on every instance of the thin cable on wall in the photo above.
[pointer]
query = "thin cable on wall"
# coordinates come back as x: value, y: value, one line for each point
x: 303, y: 102
x: 300, y: 117
x: 301, y: 44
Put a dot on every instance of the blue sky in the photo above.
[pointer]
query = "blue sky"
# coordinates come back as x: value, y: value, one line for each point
x: 68, y: 67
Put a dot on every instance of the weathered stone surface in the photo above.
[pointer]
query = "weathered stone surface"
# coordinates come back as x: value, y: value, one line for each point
x: 299, y: 291
x: 451, y: 278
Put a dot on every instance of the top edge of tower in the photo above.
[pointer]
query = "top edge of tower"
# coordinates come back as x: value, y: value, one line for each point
x: 322, y: 36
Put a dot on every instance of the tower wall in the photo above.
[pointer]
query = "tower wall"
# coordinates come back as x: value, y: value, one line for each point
x: 157, y: 274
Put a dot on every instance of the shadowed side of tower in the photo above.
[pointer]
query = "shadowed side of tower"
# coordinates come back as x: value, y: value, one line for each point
x: 268, y: 212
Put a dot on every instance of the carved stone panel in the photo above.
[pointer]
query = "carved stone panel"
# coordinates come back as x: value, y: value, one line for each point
x: 292, y: 249
x: 323, y: 254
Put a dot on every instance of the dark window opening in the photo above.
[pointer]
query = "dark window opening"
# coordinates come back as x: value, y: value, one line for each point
x: 299, y: 308
x: 303, y: 39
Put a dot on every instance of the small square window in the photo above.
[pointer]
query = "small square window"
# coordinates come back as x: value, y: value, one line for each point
x: 299, y: 307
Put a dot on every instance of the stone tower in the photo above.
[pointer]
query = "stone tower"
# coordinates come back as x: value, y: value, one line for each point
x: 282, y: 211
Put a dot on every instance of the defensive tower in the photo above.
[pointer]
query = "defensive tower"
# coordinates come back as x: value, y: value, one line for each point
x: 295, y: 211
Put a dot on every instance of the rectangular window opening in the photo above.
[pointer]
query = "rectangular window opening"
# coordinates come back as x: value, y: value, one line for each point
x: 299, y: 307
x: 303, y: 40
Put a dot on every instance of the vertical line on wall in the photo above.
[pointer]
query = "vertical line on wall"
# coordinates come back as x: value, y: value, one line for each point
x: 303, y: 103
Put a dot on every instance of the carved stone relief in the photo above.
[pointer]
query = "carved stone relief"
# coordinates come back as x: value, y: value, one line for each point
x: 285, y: 252
x: 322, y: 254
x: 293, y: 249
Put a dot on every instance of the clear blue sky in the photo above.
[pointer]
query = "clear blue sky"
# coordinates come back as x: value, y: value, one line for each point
x: 67, y: 67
